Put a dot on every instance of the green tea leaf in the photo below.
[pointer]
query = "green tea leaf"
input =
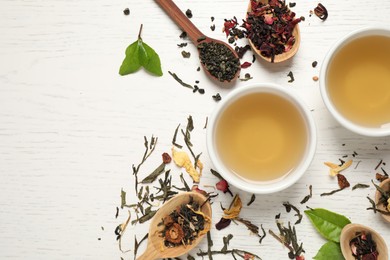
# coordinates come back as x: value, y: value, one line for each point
x: 329, y: 224
x: 330, y: 250
x: 138, y: 55
x: 153, y: 65
x: 153, y: 176
x: 131, y: 63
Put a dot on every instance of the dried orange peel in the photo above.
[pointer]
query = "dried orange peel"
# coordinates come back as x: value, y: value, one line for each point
x: 182, y: 159
x: 234, y: 210
x: 336, y: 169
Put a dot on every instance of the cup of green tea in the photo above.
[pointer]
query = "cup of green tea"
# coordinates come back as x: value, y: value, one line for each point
x: 355, y: 81
x: 261, y: 138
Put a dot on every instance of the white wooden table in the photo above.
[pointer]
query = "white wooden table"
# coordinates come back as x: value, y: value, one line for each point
x: 71, y: 127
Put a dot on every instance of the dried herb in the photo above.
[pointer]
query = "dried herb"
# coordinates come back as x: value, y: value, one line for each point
x: 225, y: 251
x: 270, y: 26
x: 137, y: 244
x: 153, y: 176
x: 289, y: 206
x: 117, y: 212
x: 183, y: 35
x: 384, y: 200
x: 331, y: 192
x: 126, y: 11
x: 184, y: 224
x: 247, y: 77
x: 363, y: 246
x: 218, y: 60
x: 288, y: 238
x: 321, y: 12
x: 223, y: 223
x: 138, y: 55
x: 253, y: 198
x: 212, y: 27
x: 186, y: 54
x: 217, y: 97
x: 165, y: 189
x: 205, y: 124
x: 120, y: 230
x: 123, y: 199
x: 180, y: 80
x: 189, y: 13
x: 181, y: 45
x: 342, y: 181
x: 174, y: 138
x: 314, y: 64
x: 291, y: 75
x: 360, y: 186
x: 307, y: 197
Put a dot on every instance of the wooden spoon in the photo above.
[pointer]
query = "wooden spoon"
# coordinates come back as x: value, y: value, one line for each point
x: 385, y: 185
x: 348, y: 233
x: 156, y: 248
x: 285, y: 55
x: 192, y: 31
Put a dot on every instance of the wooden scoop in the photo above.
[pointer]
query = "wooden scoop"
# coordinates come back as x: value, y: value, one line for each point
x: 385, y: 185
x: 348, y: 233
x: 156, y: 248
x: 285, y: 55
x: 192, y: 31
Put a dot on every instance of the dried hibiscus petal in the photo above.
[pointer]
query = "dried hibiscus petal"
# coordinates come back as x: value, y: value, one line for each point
x: 223, y: 223
x: 321, y: 12
x: 246, y: 65
x: 343, y: 182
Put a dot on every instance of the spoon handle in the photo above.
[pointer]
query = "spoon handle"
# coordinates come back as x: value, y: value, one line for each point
x: 150, y: 254
x: 180, y: 19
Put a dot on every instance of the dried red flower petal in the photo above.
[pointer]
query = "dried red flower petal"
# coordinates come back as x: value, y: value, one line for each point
x: 246, y: 65
x: 222, y: 185
x: 343, y: 182
x: 228, y: 25
x: 321, y: 12
x: 223, y: 223
x: 166, y: 158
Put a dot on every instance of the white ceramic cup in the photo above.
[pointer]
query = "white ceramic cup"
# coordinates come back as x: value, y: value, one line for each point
x: 267, y: 187
x: 352, y: 126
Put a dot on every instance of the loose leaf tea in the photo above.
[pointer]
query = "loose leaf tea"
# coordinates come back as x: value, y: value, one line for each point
x: 289, y: 206
x: 219, y: 60
x: 138, y: 55
x: 270, y: 26
x: 329, y: 224
x: 363, y: 246
x: 307, y: 197
x: 153, y: 176
x: 288, y: 238
x: 384, y: 200
x: 330, y: 250
x: 360, y: 186
x: 185, y: 224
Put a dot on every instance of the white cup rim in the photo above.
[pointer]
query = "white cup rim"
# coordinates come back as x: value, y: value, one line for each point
x: 277, y: 185
x: 359, y: 129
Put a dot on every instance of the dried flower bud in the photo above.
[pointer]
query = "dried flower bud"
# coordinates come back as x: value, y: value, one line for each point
x: 223, y: 185
x: 166, y: 158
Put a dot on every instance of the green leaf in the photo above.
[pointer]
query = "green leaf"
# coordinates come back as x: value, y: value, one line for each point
x: 140, y: 54
x: 153, y: 65
x: 131, y: 63
x: 330, y: 250
x: 153, y: 176
x: 329, y: 224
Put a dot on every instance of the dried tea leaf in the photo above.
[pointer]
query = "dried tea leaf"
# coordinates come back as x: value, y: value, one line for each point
x: 360, y: 186
x: 153, y: 176
x: 122, y: 228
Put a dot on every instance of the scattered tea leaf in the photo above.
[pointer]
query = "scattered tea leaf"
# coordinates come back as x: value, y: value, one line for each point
x: 330, y: 250
x: 331, y: 192
x: 329, y: 224
x: 181, y: 82
x: 291, y: 75
x: 360, y: 186
x: 307, y: 197
x: 186, y: 54
x: 289, y: 206
x: 153, y: 176
x: 137, y: 244
x: 126, y: 11
x: 253, y: 198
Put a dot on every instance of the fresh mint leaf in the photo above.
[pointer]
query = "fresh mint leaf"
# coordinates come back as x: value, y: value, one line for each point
x: 330, y: 250
x: 329, y: 224
x: 138, y: 55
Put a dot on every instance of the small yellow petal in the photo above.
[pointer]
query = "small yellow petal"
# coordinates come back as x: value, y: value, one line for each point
x: 182, y: 159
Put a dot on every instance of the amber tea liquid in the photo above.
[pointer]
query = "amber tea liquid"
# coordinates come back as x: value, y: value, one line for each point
x: 261, y: 137
x: 358, y: 81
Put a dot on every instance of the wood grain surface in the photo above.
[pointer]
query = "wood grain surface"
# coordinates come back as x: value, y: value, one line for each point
x: 71, y: 127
